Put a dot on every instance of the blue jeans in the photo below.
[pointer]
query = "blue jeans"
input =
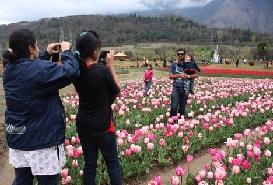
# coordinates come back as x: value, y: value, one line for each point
x: 23, y: 176
x: 178, y: 101
x: 147, y: 86
x: 191, y: 84
x: 106, y: 143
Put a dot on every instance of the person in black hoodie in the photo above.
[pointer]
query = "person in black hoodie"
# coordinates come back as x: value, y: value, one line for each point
x: 97, y: 87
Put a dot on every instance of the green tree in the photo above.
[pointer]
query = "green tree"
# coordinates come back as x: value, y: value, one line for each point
x: 220, y: 35
x: 253, y: 38
x: 262, y: 49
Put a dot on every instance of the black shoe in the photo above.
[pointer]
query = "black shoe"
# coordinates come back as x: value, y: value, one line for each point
x: 192, y: 92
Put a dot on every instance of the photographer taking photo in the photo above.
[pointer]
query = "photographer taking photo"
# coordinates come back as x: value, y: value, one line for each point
x: 35, y: 115
x: 97, y: 87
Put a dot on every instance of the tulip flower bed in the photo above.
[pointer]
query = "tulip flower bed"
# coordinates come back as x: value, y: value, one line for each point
x: 148, y: 138
x: 215, y: 71
x: 237, y: 72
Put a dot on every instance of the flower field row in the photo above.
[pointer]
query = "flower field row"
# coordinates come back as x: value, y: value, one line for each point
x: 148, y: 138
x: 234, y: 72
x: 208, y: 70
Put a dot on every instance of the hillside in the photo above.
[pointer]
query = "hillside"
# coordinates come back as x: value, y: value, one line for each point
x: 116, y: 30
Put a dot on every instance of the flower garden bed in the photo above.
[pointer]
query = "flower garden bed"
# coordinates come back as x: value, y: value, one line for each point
x: 148, y: 138
x: 222, y: 110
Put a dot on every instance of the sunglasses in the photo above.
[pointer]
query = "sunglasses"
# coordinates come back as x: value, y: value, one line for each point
x: 180, y: 54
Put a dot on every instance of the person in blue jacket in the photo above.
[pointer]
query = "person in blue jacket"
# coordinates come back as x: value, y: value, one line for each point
x: 179, y: 96
x: 35, y: 115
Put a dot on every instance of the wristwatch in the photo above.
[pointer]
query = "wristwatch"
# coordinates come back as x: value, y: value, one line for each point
x: 189, y: 76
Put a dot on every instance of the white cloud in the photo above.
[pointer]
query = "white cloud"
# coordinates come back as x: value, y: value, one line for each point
x: 33, y: 10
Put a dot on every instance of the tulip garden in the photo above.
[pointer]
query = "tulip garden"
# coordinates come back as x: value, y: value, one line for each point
x: 231, y: 111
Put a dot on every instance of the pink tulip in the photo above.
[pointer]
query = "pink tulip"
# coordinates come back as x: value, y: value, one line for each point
x: 64, y: 172
x: 180, y: 134
x: 245, y: 164
x: 76, y: 153
x: 205, y: 126
x: 75, y: 163
x: 266, y: 141
x: 202, y: 174
x: 185, y: 148
x: 189, y: 158
x: 120, y: 141
x: 219, y: 182
x: 220, y: 173
x: 242, y: 144
x: 77, y: 140
x: 152, y: 182
x: 257, y: 158
x: 270, y: 171
x: 81, y: 172
x: 128, y: 152
x: 175, y: 180
x: 248, y: 180
x: 180, y: 171
x: 256, y: 151
x: 207, y: 167
x: 267, y: 182
x: 197, y: 178
x: 270, y: 178
x: 267, y: 153
x: 210, y: 175
x: 66, y: 142
x: 238, y: 136
x: 150, y: 146
x: 127, y: 122
x: 158, y: 179
x: 146, y: 140
x: 203, y: 183
x: 212, y: 151
x: 162, y: 142
x: 235, y: 169
x: 66, y: 180
x: 70, y: 152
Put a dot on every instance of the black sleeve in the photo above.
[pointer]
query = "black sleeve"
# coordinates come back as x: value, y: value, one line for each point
x: 197, y: 67
x: 110, y: 83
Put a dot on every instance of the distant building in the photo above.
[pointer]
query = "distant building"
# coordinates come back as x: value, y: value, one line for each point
x: 120, y: 56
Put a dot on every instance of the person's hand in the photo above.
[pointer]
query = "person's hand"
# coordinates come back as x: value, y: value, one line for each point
x: 65, y: 46
x: 183, y: 75
x: 110, y: 58
x: 53, y: 48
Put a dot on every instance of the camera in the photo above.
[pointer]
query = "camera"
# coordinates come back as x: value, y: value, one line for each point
x: 58, y: 48
x: 102, y: 57
x: 55, y: 57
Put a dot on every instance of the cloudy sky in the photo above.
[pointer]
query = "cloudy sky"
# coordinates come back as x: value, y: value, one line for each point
x: 13, y: 11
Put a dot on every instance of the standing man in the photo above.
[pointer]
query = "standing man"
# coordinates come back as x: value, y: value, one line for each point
x: 179, y: 97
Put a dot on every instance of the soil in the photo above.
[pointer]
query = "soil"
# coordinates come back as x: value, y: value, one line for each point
x: 200, y: 159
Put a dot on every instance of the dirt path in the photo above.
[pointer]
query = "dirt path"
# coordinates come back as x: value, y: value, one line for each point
x: 6, y: 170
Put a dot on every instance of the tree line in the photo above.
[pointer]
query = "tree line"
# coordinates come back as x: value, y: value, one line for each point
x: 116, y: 30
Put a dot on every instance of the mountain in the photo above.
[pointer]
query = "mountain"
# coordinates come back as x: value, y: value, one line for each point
x: 255, y: 15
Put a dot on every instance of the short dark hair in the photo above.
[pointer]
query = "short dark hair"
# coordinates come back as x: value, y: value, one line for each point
x: 181, y: 49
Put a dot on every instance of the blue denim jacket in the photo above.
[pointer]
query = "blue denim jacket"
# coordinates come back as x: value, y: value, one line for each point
x: 175, y: 69
x: 35, y: 115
